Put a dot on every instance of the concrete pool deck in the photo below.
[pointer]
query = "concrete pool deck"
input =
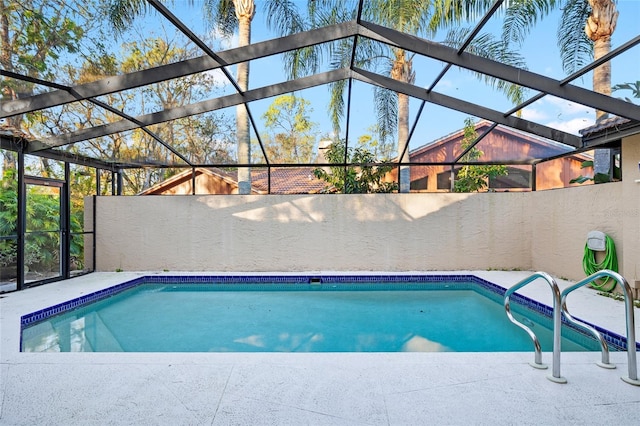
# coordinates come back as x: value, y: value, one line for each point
x: 308, y: 388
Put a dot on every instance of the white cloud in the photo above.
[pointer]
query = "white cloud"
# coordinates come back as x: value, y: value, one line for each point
x: 534, y: 114
x: 443, y: 86
x: 560, y: 114
x: 224, y: 42
x: 571, y: 126
x: 567, y: 108
x: 218, y: 77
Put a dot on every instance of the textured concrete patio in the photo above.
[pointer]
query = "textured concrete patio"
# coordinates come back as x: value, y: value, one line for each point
x: 307, y: 388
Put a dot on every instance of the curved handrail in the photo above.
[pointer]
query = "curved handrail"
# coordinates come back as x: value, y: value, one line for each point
x: 631, y: 331
x: 557, y: 322
x: 604, y: 349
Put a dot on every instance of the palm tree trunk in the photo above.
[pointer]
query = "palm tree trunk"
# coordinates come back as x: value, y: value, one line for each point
x: 602, y: 74
x: 244, y: 11
x: 402, y: 71
x: 600, y: 26
x: 403, y: 136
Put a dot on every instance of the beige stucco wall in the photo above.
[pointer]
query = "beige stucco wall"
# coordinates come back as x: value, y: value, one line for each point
x: 628, y: 212
x: 543, y: 230
x: 560, y: 220
x: 395, y: 232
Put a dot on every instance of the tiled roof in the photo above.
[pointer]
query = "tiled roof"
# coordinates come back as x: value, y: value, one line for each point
x: 605, y: 124
x: 287, y: 180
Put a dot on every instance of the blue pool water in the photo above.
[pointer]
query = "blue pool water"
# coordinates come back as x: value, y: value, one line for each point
x: 332, y: 317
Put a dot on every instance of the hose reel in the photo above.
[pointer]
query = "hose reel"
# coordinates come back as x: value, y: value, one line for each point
x: 600, y: 242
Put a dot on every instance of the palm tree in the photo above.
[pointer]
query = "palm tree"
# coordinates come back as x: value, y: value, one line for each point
x: 584, y: 32
x: 244, y: 12
x: 419, y: 17
x: 411, y: 18
x: 227, y: 16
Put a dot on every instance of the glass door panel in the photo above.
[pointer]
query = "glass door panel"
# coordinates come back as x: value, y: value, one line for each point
x: 8, y: 263
x: 8, y: 220
x: 43, y: 236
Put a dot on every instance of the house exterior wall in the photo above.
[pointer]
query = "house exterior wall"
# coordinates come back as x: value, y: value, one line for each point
x: 499, y: 146
x: 559, y: 172
x: 374, y: 232
x: 628, y: 212
x: 205, y: 184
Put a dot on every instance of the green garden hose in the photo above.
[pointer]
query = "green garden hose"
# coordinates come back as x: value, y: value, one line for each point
x: 610, y: 261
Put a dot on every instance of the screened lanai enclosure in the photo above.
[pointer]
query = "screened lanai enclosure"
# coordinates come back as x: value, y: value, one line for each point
x: 110, y: 98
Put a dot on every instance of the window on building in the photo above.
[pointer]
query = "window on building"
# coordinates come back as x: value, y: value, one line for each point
x: 420, y: 184
x: 444, y: 180
x: 515, y: 178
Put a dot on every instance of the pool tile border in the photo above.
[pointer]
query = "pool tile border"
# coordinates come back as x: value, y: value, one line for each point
x: 45, y: 313
x: 615, y: 340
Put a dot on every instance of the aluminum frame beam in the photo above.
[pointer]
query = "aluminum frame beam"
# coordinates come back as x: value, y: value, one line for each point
x: 191, y: 36
x: 612, y: 54
x: 353, y: 29
x: 468, y: 108
x: 196, y: 108
x: 14, y: 143
x: 494, y: 8
x: 498, y: 70
x: 38, y: 146
x: 327, y: 34
x: 178, y: 69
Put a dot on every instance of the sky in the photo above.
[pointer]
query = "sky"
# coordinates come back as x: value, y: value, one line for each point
x: 542, y: 56
x: 435, y: 122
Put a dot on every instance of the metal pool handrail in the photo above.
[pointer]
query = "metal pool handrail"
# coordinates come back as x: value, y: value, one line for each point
x: 631, y: 331
x: 557, y: 322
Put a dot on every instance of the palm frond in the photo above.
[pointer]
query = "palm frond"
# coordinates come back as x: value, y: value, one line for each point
x: 284, y: 17
x: 122, y: 13
x: 221, y: 15
x: 576, y: 49
x: 410, y: 16
x: 302, y: 62
x: 372, y: 55
x: 323, y: 13
x: 340, y: 53
x: 633, y: 87
x: 486, y: 46
x: 336, y: 104
x: 387, y: 112
x: 522, y: 15
x: 287, y: 19
x: 450, y: 12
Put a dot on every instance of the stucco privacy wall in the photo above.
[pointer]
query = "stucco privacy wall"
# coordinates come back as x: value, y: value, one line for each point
x: 560, y: 220
x: 628, y: 212
x: 543, y: 230
x: 394, y: 232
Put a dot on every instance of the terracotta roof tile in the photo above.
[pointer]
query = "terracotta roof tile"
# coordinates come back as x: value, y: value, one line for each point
x: 604, y: 124
x: 287, y: 180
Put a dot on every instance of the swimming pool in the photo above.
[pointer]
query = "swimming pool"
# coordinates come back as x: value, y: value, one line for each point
x: 295, y: 314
